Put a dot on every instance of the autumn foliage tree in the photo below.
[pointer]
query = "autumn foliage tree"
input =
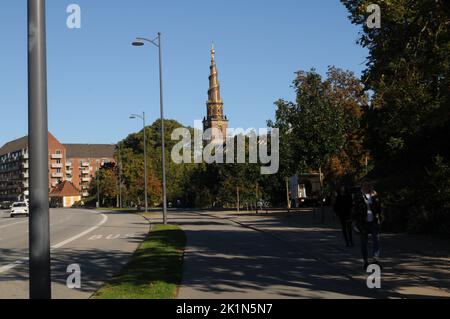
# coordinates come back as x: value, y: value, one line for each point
x: 322, y: 129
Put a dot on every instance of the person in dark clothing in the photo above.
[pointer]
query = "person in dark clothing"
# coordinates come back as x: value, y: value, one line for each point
x: 367, y: 216
x: 343, y: 209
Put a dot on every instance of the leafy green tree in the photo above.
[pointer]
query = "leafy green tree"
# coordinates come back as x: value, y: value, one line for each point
x: 409, y: 119
x: 132, y: 158
x: 105, y: 184
x: 322, y: 129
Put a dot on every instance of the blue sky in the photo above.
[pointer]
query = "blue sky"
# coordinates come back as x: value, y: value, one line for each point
x: 96, y: 78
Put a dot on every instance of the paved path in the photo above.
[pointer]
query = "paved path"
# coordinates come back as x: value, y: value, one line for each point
x: 275, y: 256
x: 101, y: 243
x: 225, y: 260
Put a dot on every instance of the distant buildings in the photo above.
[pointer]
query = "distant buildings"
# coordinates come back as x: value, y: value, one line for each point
x: 75, y: 163
x: 64, y: 195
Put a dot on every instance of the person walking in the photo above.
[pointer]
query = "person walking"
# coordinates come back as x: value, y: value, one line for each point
x: 367, y: 215
x: 343, y: 209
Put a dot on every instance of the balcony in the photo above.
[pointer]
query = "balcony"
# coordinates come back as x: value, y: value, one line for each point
x: 26, y: 175
x: 57, y: 156
x: 26, y: 193
x: 57, y: 165
x: 26, y: 156
x: 85, y: 194
x: 57, y: 175
x: 85, y: 164
x: 85, y: 179
x: 69, y: 172
x: 26, y: 165
x: 85, y: 172
x: 68, y: 164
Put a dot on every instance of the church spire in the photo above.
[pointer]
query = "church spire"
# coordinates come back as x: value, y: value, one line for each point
x: 214, y: 86
x: 215, y: 117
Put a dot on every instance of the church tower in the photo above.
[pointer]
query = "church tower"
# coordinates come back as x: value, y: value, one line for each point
x: 215, y: 118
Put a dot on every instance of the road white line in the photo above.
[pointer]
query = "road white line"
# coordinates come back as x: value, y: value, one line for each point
x: 18, y: 262
x: 23, y: 260
x: 90, y: 230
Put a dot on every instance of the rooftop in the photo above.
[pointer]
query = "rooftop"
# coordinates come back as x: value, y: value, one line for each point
x: 13, y: 146
x: 90, y: 150
x: 65, y: 189
x: 73, y: 150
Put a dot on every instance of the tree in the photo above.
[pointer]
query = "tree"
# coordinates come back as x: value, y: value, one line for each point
x: 322, y: 129
x: 347, y: 96
x: 409, y: 119
x: 105, y: 184
x: 132, y: 157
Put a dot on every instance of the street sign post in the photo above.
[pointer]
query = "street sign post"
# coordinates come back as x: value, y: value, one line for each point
x: 39, y: 229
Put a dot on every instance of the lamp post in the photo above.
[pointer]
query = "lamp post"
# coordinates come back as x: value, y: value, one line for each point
x: 98, y: 188
x: 39, y: 228
x: 120, y: 176
x: 157, y: 42
x: 142, y: 117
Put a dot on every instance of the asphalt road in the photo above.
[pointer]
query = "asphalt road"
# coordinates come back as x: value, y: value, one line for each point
x: 99, y: 242
x: 225, y: 260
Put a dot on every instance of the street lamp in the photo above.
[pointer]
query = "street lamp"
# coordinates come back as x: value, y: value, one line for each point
x: 142, y: 117
x: 139, y: 42
x: 39, y: 228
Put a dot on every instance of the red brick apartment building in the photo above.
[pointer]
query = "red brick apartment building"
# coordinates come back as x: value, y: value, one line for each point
x: 76, y: 163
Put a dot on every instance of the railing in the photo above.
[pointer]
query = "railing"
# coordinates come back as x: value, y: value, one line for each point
x: 57, y: 156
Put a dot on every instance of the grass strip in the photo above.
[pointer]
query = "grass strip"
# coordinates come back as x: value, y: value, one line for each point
x: 154, y: 272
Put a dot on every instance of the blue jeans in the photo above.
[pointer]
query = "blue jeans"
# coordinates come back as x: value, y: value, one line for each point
x: 374, y: 230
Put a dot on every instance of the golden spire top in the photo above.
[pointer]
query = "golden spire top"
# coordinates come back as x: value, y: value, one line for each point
x: 214, y: 86
x: 213, y: 52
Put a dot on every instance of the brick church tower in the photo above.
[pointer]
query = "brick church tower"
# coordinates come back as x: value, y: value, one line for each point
x: 215, y: 118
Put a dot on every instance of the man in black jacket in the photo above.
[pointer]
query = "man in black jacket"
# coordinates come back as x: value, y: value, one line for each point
x: 367, y: 216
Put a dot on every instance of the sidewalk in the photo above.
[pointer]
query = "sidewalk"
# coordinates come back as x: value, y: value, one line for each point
x: 413, y: 266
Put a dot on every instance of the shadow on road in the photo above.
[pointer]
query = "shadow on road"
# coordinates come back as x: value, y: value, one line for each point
x: 304, y: 260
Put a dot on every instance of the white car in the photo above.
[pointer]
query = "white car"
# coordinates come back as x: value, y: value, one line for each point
x: 19, y: 208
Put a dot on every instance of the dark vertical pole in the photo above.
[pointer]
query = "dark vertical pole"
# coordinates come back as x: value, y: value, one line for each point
x: 257, y: 198
x: 161, y: 95
x: 238, y: 200
x: 145, y: 162
x: 98, y: 188
x: 39, y: 234
x: 120, y: 177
